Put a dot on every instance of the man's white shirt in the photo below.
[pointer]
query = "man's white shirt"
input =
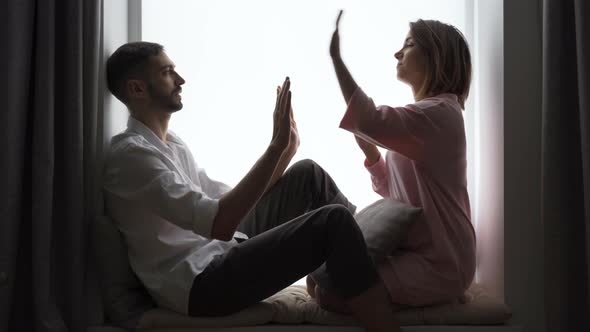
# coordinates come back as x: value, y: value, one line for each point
x: 164, y: 205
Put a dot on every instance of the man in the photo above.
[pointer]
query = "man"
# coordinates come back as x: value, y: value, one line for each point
x: 181, y: 227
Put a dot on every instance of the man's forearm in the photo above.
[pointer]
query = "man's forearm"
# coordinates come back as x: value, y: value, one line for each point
x: 282, y: 165
x: 235, y: 204
x: 347, y: 83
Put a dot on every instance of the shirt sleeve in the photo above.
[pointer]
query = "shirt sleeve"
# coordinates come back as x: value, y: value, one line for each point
x: 407, y: 130
x: 138, y: 175
x: 213, y: 188
x: 379, y: 177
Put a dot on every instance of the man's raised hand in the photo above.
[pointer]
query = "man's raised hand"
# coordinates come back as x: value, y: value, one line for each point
x: 294, y: 138
x: 282, y: 117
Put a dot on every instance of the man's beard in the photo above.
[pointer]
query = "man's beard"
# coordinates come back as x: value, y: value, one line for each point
x: 168, y: 103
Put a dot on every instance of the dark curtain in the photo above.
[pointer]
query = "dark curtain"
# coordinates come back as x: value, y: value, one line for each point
x: 566, y: 163
x: 49, y: 93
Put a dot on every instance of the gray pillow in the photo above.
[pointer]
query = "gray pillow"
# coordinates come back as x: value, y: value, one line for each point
x: 125, y: 299
x: 384, y: 225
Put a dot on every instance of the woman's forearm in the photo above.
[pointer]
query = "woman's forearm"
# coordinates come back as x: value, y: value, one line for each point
x: 348, y: 86
x: 372, y: 154
x: 347, y: 83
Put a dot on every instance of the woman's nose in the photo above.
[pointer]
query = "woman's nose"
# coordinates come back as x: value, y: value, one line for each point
x: 398, y: 55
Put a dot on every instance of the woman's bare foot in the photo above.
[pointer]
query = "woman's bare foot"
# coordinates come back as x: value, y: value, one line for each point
x: 374, y: 310
x: 331, y: 302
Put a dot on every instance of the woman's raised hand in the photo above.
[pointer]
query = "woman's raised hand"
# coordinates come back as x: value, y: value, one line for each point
x: 335, y: 43
x: 347, y: 83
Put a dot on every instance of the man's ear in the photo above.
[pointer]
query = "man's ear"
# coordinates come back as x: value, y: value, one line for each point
x: 136, y: 89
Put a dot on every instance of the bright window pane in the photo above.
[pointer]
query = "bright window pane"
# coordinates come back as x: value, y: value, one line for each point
x: 233, y: 53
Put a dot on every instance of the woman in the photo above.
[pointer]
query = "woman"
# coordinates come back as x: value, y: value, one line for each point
x: 425, y: 164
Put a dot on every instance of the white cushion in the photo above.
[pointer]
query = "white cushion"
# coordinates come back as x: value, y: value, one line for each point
x: 294, y: 306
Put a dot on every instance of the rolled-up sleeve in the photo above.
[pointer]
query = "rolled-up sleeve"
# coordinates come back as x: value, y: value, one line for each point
x: 215, y: 188
x: 139, y: 176
x: 407, y: 130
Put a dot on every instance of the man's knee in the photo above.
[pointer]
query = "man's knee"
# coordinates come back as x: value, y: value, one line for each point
x: 330, y: 214
x: 305, y: 166
x: 338, y: 215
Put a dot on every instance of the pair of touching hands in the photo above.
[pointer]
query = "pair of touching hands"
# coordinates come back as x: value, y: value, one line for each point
x: 285, y: 134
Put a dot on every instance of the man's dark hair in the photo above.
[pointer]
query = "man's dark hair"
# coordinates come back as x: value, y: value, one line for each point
x: 129, y: 62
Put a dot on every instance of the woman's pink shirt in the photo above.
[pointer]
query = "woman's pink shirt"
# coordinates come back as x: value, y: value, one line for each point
x: 425, y: 166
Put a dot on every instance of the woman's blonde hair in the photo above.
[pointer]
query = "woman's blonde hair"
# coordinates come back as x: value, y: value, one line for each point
x: 448, y: 59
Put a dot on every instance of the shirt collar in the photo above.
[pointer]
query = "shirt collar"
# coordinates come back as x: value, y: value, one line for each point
x: 447, y: 95
x: 136, y: 126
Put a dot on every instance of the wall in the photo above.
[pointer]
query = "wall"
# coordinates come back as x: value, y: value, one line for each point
x: 115, y: 33
x: 487, y: 143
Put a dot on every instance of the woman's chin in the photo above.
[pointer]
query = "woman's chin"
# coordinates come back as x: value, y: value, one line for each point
x: 400, y: 76
x: 401, y: 79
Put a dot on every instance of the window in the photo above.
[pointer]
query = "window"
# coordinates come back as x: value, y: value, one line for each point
x: 233, y: 53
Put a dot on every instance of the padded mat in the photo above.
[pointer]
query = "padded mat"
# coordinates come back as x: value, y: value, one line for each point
x: 294, y: 306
